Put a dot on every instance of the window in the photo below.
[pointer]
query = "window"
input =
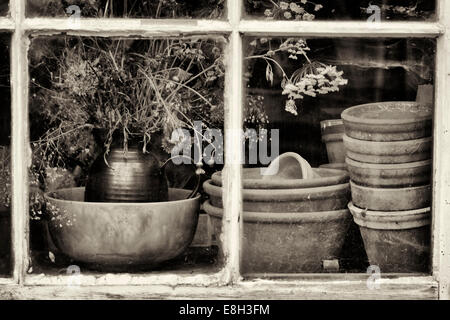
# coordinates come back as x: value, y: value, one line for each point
x: 402, y: 46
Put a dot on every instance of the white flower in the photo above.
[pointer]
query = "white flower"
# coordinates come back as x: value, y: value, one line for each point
x: 287, y: 15
x: 284, y: 5
x: 291, y: 107
x: 308, y: 16
x: 296, y: 8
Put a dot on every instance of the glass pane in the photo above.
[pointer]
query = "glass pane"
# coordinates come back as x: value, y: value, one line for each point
x: 116, y: 130
x: 4, y: 7
x: 296, y: 216
x: 5, y: 156
x: 164, y: 9
x: 372, y: 11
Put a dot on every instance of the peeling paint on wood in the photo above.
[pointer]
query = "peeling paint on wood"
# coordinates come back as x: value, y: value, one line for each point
x: 6, y: 24
x: 21, y: 156
x: 341, y: 29
x: 252, y: 290
x: 125, y: 27
x: 441, y: 168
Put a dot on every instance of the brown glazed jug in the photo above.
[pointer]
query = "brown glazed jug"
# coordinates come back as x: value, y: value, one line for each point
x: 130, y: 176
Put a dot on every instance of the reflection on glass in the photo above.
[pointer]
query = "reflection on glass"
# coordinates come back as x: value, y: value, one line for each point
x: 119, y: 129
x: 373, y: 11
x: 5, y: 157
x: 295, y: 217
x: 164, y: 9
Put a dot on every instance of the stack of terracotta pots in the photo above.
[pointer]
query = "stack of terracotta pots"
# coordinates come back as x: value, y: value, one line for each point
x: 332, y: 133
x: 389, y: 160
x: 291, y: 224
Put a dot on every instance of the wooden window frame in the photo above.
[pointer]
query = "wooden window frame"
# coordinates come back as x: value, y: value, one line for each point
x: 227, y: 283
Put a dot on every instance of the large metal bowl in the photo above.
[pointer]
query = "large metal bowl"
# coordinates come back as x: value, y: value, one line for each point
x: 122, y: 234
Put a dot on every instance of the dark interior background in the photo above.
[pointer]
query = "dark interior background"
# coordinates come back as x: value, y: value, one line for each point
x: 376, y: 69
x: 5, y: 131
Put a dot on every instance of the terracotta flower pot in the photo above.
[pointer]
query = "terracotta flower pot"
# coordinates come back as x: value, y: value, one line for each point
x: 388, y: 152
x: 122, y: 235
x: 332, y: 132
x: 252, y: 179
x: 391, y: 199
x: 396, y: 241
x: 288, y: 242
x: 327, y: 198
x: 388, y: 121
x: 390, y: 175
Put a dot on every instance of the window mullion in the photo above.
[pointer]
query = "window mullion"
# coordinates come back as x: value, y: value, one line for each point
x: 19, y: 142
x: 232, y: 195
x: 441, y: 203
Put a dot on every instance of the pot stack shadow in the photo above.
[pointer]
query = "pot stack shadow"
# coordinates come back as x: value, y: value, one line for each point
x: 290, y: 224
x: 389, y: 160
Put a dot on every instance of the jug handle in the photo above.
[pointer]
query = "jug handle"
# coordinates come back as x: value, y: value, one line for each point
x: 198, y: 172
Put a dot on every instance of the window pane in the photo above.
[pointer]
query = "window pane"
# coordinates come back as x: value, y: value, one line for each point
x: 296, y: 216
x: 4, y: 7
x: 164, y: 9
x: 5, y: 156
x: 116, y: 130
x: 378, y: 10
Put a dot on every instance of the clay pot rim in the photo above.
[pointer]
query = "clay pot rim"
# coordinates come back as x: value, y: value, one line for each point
x: 393, y: 189
x: 282, y: 217
x: 386, y: 144
x: 348, y: 117
x: 339, y: 176
x: 331, y: 122
x: 324, y: 124
x: 331, y: 137
x: 342, y: 166
x: 271, y: 195
x: 387, y: 166
x: 49, y: 197
x: 390, y: 220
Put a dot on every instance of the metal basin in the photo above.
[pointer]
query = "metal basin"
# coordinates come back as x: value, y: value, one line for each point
x: 122, y: 234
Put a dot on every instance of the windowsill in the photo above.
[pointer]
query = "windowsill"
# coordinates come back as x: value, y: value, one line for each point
x: 395, y: 287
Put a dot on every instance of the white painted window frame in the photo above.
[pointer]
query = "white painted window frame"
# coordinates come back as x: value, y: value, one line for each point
x: 227, y: 283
